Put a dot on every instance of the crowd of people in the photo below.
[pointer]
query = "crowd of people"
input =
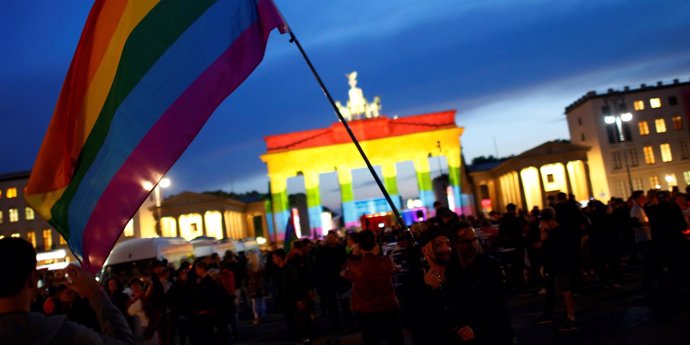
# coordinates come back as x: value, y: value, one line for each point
x: 443, y: 282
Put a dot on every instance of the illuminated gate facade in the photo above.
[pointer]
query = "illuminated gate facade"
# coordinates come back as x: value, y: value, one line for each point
x: 385, y: 141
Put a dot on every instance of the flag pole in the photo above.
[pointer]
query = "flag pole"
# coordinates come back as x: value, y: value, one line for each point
x: 398, y: 218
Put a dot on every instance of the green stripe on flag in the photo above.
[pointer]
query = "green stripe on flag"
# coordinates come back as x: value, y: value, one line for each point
x: 166, y: 22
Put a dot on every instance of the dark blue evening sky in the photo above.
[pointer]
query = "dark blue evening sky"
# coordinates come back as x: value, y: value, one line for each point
x: 509, y: 68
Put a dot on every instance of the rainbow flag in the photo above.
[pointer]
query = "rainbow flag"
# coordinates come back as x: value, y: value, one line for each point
x: 144, y: 79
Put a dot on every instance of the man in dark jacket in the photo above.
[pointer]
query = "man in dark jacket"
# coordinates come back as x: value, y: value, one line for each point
x: 478, y: 295
x: 427, y: 312
x: 18, y: 326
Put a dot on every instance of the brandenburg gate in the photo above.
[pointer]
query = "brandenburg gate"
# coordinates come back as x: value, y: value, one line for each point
x: 386, y: 142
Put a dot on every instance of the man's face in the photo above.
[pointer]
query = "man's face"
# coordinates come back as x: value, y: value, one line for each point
x: 332, y: 239
x: 441, y: 248
x: 277, y: 260
x: 466, y: 243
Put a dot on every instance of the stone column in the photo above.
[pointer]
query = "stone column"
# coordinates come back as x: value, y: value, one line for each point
x: 426, y: 192
x: 541, y: 189
x: 347, y: 196
x: 523, y: 199
x: 268, y: 206
x: 453, y: 158
x: 281, y: 205
x: 590, y: 190
x: 224, y: 228
x: 390, y: 181
x: 567, y: 178
x: 311, y: 185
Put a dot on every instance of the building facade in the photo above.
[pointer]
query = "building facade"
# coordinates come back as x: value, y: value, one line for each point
x: 17, y: 219
x: 190, y: 215
x: 528, y: 179
x: 386, y: 142
x: 639, y: 138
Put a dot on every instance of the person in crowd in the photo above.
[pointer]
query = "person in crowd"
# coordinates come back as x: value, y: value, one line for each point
x: 476, y: 281
x: 425, y: 299
x: 510, y: 232
x: 533, y: 244
x: 256, y: 286
x: 139, y: 311
x: 226, y: 279
x: 643, y: 237
x: 667, y: 224
x: 292, y: 294
x: 207, y: 323
x: 573, y: 223
x: 19, y: 326
x: 604, y: 243
x: 373, y: 294
x: 560, y: 265
x: 115, y: 292
x: 65, y: 301
x: 329, y: 262
x: 179, y: 300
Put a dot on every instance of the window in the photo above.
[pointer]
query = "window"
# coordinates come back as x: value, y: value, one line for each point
x: 47, y: 240
x: 622, y: 189
x: 684, y: 150
x: 14, y: 215
x: 671, y: 180
x: 665, y: 152
x: 582, y: 136
x: 11, y: 193
x: 644, y: 127
x: 677, y: 122
x: 616, y: 160
x: 637, y: 184
x: 686, y: 176
x: 655, y: 103
x: 672, y: 100
x: 31, y: 237
x: 638, y: 105
x: 62, y: 240
x: 632, y: 153
x: 660, y: 124
x: 29, y: 213
x: 1, y: 213
x: 654, y: 181
x: 649, y: 155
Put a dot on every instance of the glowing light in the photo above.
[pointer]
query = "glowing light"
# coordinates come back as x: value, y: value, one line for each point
x: 54, y: 255
x: 295, y: 220
x: 260, y: 241
x: 147, y: 185
x: 609, y: 119
x: 626, y: 117
x: 451, y: 197
x: 55, y: 266
x: 164, y: 182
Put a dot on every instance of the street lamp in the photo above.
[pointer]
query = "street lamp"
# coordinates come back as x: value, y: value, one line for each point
x: 618, y: 120
x: 158, y: 196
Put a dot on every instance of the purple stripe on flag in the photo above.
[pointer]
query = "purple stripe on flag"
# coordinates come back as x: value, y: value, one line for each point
x: 170, y: 136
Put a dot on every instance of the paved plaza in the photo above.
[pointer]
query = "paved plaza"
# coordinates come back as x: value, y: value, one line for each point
x: 625, y: 316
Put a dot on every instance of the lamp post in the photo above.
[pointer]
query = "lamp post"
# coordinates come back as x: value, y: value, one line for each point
x: 618, y: 118
x: 158, y: 196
